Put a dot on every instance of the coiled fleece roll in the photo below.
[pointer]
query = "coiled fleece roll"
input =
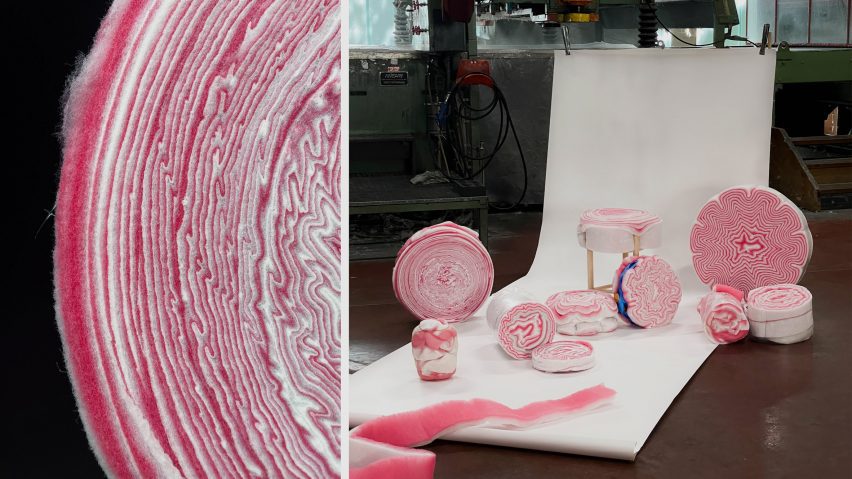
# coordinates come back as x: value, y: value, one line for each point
x: 750, y: 236
x: 521, y: 324
x: 564, y: 356
x: 443, y: 272
x: 782, y: 313
x: 583, y: 312
x: 197, y: 239
x: 723, y: 314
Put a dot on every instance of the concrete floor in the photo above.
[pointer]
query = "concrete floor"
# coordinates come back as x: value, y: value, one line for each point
x: 752, y: 410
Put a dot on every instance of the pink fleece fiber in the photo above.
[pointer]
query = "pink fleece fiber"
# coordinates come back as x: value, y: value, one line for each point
x: 422, y: 426
x: 197, y: 242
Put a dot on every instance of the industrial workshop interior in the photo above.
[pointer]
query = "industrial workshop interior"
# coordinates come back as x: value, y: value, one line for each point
x: 634, y: 214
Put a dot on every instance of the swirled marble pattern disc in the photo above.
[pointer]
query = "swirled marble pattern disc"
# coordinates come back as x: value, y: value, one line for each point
x: 524, y: 328
x: 563, y: 356
x: 750, y: 236
x: 197, y: 247
x: 649, y: 291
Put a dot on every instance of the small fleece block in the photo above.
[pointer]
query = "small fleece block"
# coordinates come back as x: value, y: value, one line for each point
x: 197, y: 260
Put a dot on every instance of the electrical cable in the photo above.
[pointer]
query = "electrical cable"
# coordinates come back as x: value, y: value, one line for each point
x: 455, y: 108
x: 727, y: 37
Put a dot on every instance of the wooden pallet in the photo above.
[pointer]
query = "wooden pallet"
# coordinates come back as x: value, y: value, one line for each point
x: 815, y: 171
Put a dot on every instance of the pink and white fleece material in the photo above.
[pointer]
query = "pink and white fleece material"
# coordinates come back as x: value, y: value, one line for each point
x: 611, y: 230
x: 435, y: 347
x: 648, y: 291
x: 781, y: 314
x: 380, y: 448
x: 748, y: 237
x: 197, y: 239
x: 584, y: 312
x: 443, y: 272
x: 524, y: 327
x: 723, y: 314
x: 564, y: 356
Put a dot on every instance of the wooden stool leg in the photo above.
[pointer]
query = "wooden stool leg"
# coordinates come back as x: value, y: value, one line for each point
x: 635, y: 245
x: 590, y: 268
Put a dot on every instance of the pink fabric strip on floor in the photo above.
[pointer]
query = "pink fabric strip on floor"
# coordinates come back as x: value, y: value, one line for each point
x: 197, y: 247
x: 379, y: 448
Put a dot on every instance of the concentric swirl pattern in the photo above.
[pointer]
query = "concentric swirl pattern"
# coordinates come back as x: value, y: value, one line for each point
x: 750, y: 236
x: 780, y: 297
x: 443, y: 272
x: 524, y: 328
x: 648, y: 290
x: 197, y: 247
x: 563, y: 351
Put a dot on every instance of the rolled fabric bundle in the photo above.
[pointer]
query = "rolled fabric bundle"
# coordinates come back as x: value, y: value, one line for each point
x: 443, y: 271
x: 503, y: 300
x: 564, y: 356
x: 523, y: 326
x: 781, y: 314
x: 748, y: 237
x: 611, y: 230
x: 723, y: 314
x: 435, y: 347
x: 583, y: 312
x: 647, y: 291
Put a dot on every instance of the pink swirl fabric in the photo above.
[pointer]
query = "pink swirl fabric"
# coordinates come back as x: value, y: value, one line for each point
x: 611, y: 230
x: 635, y: 221
x: 781, y: 313
x: 434, y: 345
x: 443, y: 272
x: 564, y: 356
x: 198, y: 245
x: 380, y: 448
x: 748, y: 237
x: 525, y: 327
x: 650, y: 291
x: 723, y: 314
x: 583, y: 312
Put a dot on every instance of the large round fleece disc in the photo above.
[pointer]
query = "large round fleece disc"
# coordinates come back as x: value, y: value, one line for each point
x: 648, y: 291
x: 750, y: 236
x: 197, y: 239
x: 443, y: 272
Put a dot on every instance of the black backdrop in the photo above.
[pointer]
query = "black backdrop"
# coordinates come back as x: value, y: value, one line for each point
x: 42, y: 431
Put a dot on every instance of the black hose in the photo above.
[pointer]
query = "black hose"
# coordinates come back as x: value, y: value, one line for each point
x: 458, y: 109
